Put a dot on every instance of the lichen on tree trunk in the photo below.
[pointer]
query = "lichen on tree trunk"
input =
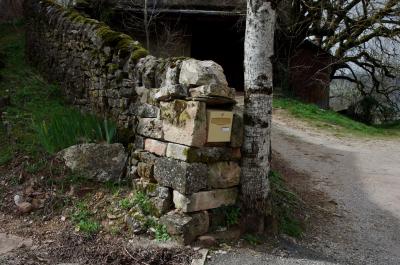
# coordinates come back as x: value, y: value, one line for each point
x: 259, y: 48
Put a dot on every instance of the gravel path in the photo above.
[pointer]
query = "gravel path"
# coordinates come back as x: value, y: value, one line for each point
x: 362, y: 177
x: 360, y: 180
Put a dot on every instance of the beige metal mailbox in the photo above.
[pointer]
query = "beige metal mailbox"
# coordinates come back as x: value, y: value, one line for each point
x: 219, y: 126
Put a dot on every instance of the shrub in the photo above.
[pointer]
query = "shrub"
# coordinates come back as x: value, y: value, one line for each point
x: 73, y: 127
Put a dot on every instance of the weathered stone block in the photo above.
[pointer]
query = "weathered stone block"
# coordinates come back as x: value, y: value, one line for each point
x: 162, y: 200
x: 156, y: 147
x: 145, y: 170
x: 213, y: 90
x: 144, y: 156
x: 223, y: 175
x: 171, y: 92
x: 185, y: 228
x: 184, y: 177
x: 204, y: 154
x: 144, y: 110
x: 150, y: 127
x: 184, y: 122
x: 205, y: 200
x: 195, y: 73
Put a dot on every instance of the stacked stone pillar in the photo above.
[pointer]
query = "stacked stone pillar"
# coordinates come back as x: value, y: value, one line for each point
x: 172, y: 151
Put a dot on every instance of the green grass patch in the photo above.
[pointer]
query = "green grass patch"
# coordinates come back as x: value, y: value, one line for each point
x: 161, y: 233
x: 333, y: 121
x: 283, y: 205
x: 72, y: 127
x: 84, y: 219
x: 143, y: 202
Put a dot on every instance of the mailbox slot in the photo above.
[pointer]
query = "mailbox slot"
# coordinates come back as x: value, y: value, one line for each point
x: 219, y: 126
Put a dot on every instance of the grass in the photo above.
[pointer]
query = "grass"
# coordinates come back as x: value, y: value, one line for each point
x: 84, y: 220
x: 143, y: 202
x: 38, y: 121
x: 160, y: 231
x: 72, y: 127
x: 283, y: 205
x: 331, y: 120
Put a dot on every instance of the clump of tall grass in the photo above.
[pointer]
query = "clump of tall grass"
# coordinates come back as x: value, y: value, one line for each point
x: 283, y: 204
x: 71, y: 127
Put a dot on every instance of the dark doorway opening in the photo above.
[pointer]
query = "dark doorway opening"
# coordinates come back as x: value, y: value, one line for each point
x: 221, y: 40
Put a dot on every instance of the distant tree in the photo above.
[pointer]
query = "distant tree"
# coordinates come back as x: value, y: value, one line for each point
x: 357, y: 32
x: 259, y: 48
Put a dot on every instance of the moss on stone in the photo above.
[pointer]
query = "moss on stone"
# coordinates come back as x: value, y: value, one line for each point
x: 139, y: 53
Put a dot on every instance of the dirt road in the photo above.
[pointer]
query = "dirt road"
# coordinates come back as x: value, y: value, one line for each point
x: 357, y: 182
x: 362, y: 177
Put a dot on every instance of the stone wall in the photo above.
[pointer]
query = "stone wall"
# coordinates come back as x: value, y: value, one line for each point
x: 162, y: 103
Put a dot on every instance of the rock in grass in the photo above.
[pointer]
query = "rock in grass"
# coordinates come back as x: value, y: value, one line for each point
x: 99, y: 162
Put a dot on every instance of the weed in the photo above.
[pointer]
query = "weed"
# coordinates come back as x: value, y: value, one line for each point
x: 283, y: 203
x: 88, y: 226
x: 83, y: 219
x: 144, y: 203
x: 162, y: 233
x: 114, y: 187
x: 35, y: 167
x: 232, y: 215
x: 226, y: 216
x: 252, y: 239
x: 126, y: 203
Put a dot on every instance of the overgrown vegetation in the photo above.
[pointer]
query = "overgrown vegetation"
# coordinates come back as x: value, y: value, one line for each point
x: 334, y: 121
x: 72, y: 127
x: 37, y: 120
x: 283, y: 205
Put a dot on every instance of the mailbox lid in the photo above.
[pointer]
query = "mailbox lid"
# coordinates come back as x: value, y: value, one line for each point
x: 219, y: 126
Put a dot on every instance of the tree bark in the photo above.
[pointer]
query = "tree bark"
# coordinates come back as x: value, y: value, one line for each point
x: 259, y: 48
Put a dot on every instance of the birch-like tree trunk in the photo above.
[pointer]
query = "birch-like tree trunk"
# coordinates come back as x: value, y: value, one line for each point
x: 259, y: 48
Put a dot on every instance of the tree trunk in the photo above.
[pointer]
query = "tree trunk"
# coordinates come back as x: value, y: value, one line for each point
x: 259, y: 48
x: 146, y: 24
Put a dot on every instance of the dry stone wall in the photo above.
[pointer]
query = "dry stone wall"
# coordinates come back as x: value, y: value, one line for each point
x: 162, y: 103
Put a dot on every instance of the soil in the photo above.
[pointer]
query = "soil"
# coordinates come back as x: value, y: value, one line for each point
x: 47, y: 235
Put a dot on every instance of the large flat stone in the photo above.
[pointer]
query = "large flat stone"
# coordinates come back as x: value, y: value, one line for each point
x: 184, y: 177
x: 100, y: 162
x: 185, y: 228
x: 205, y: 200
x: 204, y: 154
x: 184, y: 122
x: 223, y: 175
